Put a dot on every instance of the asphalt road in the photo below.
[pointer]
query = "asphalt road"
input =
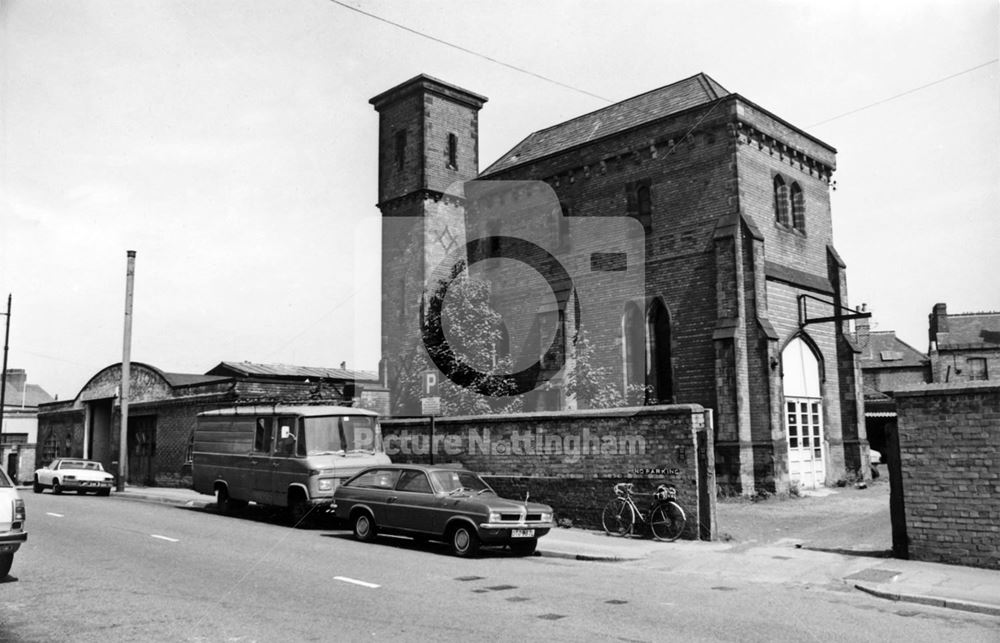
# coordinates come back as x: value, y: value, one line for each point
x: 108, y: 569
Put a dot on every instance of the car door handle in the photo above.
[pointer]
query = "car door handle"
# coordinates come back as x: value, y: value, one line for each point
x: 274, y: 464
x: 391, y: 499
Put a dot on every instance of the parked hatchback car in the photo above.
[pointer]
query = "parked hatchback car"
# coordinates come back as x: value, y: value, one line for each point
x: 444, y: 503
x: 74, y: 474
x: 12, y: 517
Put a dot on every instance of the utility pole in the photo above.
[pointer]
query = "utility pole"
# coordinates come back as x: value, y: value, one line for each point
x: 126, y: 376
x: 3, y: 380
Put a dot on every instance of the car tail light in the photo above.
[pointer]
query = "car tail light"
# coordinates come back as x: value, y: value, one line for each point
x: 19, y: 509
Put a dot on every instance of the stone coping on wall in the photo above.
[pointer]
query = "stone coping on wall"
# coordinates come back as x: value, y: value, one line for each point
x: 950, y: 388
x: 626, y: 411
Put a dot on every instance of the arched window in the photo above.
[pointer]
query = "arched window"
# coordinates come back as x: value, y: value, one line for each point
x: 781, y: 202
x: 633, y: 347
x: 644, y: 207
x: 452, y: 151
x: 798, y: 208
x: 660, y: 374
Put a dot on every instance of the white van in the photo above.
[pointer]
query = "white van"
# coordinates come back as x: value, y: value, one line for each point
x: 283, y: 455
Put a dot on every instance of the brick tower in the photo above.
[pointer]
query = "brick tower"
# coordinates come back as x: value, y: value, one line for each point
x: 428, y: 142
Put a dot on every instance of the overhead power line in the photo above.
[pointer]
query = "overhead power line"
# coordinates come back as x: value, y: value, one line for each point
x: 906, y: 93
x: 469, y: 51
x: 522, y: 70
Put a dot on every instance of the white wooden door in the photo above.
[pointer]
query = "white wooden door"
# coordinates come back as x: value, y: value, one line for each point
x: 804, y: 428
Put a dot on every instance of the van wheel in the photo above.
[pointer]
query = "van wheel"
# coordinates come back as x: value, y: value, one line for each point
x: 464, y: 541
x: 6, y: 560
x: 223, y: 503
x: 364, y: 527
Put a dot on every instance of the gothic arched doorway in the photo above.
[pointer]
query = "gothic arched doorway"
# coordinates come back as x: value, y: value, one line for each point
x: 801, y: 385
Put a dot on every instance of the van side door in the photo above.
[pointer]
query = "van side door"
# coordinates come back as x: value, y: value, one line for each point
x: 260, y: 461
x: 288, y: 465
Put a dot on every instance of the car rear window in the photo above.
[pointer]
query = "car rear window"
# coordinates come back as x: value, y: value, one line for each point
x: 377, y: 479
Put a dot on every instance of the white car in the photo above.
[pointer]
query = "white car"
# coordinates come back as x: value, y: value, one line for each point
x: 74, y: 474
x: 12, y: 532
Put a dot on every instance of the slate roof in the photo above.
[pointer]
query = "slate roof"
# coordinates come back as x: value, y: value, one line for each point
x: 971, y: 330
x: 29, y: 397
x: 251, y: 369
x: 676, y: 97
x: 885, y: 350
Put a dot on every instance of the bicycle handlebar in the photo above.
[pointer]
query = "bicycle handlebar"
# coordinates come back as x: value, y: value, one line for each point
x: 624, y: 489
x: 663, y: 492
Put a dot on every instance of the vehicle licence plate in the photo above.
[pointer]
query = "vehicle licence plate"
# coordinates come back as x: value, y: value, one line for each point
x: 522, y: 533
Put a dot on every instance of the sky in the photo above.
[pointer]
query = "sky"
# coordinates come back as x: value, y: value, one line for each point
x: 232, y: 146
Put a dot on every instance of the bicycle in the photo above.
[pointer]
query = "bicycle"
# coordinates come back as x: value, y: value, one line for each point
x: 666, y: 518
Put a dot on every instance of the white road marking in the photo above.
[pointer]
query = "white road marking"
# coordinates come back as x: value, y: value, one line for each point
x: 49, y: 513
x: 356, y: 581
x: 172, y: 540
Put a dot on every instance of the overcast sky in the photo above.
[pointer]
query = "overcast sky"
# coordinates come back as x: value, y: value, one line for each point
x: 231, y: 144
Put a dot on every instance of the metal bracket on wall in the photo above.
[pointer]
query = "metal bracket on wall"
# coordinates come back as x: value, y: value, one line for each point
x: 838, y: 316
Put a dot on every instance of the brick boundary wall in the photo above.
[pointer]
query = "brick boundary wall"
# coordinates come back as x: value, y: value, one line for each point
x: 571, y: 459
x: 949, y: 442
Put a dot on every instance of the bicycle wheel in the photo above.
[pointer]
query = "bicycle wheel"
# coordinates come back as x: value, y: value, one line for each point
x: 617, y: 517
x: 667, y: 521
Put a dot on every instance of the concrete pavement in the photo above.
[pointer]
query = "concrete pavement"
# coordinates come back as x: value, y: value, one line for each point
x: 949, y: 586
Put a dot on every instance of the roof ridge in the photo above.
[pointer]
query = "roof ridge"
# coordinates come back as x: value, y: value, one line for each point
x: 699, y: 77
x: 981, y: 312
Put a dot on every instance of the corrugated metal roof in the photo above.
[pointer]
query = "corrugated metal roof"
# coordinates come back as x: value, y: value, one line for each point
x: 684, y: 94
x: 190, y: 379
x: 249, y: 369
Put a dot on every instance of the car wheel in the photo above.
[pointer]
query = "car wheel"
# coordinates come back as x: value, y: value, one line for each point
x: 524, y: 547
x: 364, y: 527
x: 56, y: 487
x: 464, y: 541
x: 6, y: 560
x: 37, y: 486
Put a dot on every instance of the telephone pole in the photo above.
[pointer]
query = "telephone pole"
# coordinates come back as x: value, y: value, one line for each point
x: 3, y: 376
x: 126, y: 376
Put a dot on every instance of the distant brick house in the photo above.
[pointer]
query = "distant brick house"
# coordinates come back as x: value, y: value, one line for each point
x: 163, y: 407
x: 744, y: 307
x: 887, y: 364
x: 964, y: 347
x: 20, y: 424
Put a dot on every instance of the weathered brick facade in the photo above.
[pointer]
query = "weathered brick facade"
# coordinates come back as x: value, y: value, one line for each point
x: 949, y: 443
x: 729, y: 274
x: 572, y: 459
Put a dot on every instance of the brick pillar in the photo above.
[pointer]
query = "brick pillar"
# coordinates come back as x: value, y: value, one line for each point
x: 853, y: 455
x: 731, y: 369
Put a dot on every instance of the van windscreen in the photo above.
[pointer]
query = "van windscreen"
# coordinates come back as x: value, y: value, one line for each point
x: 339, y: 434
